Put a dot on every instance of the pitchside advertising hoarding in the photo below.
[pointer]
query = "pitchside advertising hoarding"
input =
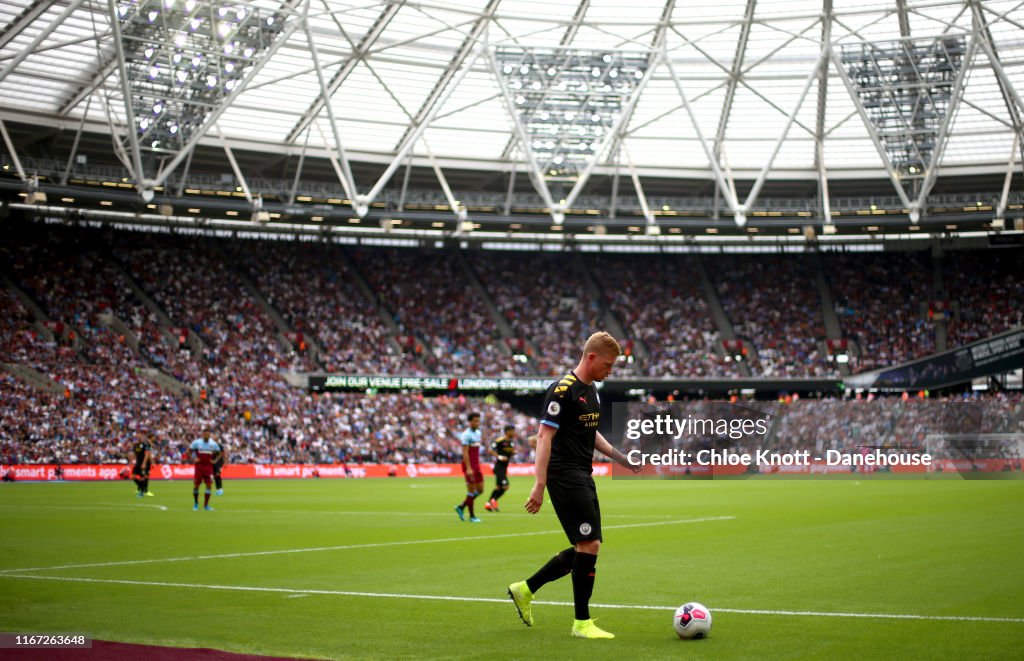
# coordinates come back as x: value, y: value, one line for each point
x: 321, y: 382
x: 665, y: 467
x: 111, y: 472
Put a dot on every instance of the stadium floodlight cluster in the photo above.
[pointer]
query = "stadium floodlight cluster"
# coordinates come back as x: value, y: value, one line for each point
x: 567, y: 101
x: 183, y: 58
x: 907, y: 89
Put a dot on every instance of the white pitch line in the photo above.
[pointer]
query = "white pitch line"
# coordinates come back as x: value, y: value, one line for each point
x: 346, y: 547
x: 292, y: 592
x: 147, y: 505
x: 448, y: 515
x: 106, y: 507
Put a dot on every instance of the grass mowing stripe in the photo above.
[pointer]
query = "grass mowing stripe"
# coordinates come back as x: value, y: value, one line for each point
x: 103, y: 507
x: 492, y: 600
x: 447, y: 515
x: 347, y: 547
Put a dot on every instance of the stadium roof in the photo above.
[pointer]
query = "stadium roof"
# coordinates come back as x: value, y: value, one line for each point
x: 735, y: 89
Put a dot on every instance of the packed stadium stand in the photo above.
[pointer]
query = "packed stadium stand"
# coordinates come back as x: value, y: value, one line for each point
x: 318, y: 295
x: 99, y: 421
x: 863, y: 423
x: 773, y: 304
x: 544, y: 300
x: 211, y: 305
x: 983, y: 292
x: 658, y: 298
x: 429, y: 298
x: 107, y: 334
x: 882, y: 302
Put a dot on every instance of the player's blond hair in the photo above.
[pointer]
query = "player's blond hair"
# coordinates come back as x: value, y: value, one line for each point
x: 602, y: 344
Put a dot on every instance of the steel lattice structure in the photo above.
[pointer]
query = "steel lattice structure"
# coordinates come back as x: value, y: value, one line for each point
x: 727, y: 91
x: 182, y: 62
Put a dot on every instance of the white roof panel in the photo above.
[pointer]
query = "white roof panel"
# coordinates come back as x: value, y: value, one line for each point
x: 418, y: 43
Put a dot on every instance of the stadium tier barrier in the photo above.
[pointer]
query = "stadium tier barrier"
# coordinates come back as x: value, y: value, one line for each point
x: 112, y: 472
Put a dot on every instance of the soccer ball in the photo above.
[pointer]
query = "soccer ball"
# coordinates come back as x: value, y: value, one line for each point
x: 692, y: 620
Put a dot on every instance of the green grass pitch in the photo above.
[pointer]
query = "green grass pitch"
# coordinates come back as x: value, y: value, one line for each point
x: 328, y: 568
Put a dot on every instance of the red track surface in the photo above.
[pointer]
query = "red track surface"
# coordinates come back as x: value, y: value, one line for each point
x: 106, y: 651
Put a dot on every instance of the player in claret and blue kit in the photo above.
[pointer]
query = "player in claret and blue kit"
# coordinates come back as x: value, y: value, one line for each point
x: 206, y: 452
x: 471, y: 467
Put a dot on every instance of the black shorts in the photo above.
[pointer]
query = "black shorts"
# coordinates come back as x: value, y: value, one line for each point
x: 217, y: 465
x: 577, y: 508
x: 138, y: 470
x: 501, y: 473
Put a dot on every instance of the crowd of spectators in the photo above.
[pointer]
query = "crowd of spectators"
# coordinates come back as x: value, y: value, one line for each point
x: 313, y: 289
x: 381, y: 428
x: 544, y: 300
x: 773, y: 303
x: 659, y: 302
x: 74, y: 288
x: 96, y: 423
x: 103, y: 399
x: 77, y: 287
x: 190, y: 278
x: 102, y: 402
x: 100, y: 395
x: 430, y: 298
x: 21, y: 339
x: 101, y: 412
x: 881, y: 300
x: 948, y: 427
x: 897, y: 423
x: 987, y: 288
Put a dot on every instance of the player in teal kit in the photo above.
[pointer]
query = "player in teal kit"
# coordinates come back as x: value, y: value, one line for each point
x: 471, y: 439
x: 206, y: 452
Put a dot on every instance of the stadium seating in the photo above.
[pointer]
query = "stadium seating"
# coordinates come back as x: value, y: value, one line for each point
x: 544, y: 301
x: 881, y: 300
x: 772, y: 303
x: 232, y: 376
x: 984, y: 289
x: 105, y: 412
x: 431, y: 300
x: 863, y: 423
x: 317, y: 295
x: 659, y: 301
